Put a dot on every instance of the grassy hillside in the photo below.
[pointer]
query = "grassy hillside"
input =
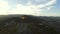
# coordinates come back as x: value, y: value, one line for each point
x: 13, y: 24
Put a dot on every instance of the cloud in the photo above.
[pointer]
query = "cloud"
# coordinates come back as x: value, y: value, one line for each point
x: 31, y: 9
x: 36, y: 0
x: 49, y: 14
x: 28, y: 9
x: 3, y: 7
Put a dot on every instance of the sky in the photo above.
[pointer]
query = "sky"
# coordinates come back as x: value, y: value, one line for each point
x: 30, y: 7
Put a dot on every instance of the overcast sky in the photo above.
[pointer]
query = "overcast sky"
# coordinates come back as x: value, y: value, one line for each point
x: 30, y: 7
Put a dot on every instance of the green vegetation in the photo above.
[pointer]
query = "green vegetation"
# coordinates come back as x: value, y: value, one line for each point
x: 41, y: 29
x: 33, y: 27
